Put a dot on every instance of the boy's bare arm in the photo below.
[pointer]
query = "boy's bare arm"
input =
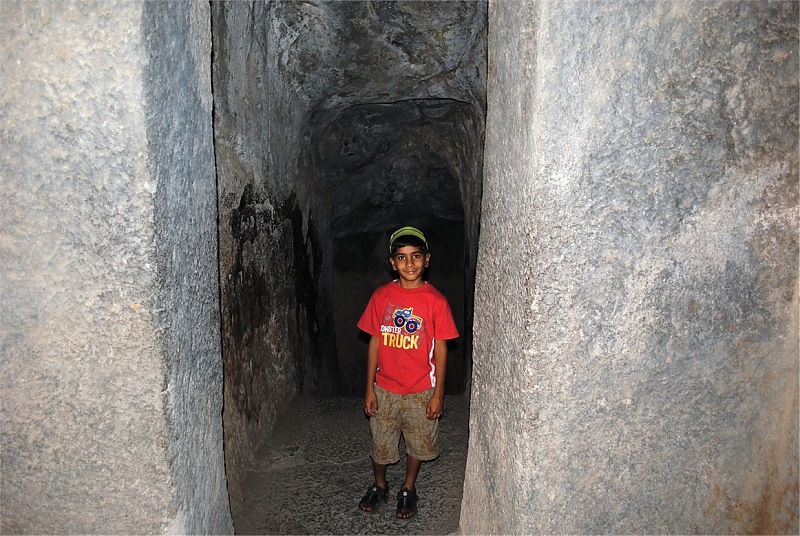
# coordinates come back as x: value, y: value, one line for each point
x: 370, y: 400
x: 436, y: 404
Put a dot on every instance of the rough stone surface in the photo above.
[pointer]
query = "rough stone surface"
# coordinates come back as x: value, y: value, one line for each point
x: 181, y: 150
x: 264, y: 327
x: 636, y: 350
x: 110, y: 381
x: 419, y: 138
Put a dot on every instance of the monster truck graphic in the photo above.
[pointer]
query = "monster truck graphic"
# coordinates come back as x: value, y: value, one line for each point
x: 403, y: 318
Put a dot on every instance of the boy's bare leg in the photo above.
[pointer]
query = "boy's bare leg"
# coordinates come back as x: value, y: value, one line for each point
x: 370, y: 500
x: 380, y: 474
x: 412, y: 470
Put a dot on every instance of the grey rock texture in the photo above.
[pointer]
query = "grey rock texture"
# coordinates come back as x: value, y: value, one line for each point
x: 636, y: 350
x: 109, y: 326
x: 178, y: 106
x: 261, y: 232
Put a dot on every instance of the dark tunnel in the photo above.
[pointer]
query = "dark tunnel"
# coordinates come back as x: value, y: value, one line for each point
x: 336, y: 123
x: 379, y: 167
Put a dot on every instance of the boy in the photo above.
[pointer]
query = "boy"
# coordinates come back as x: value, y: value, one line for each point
x: 409, y: 322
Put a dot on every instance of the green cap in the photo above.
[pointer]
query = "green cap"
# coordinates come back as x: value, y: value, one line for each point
x: 406, y: 231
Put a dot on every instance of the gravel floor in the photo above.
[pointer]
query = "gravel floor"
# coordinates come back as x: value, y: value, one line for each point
x: 310, y: 476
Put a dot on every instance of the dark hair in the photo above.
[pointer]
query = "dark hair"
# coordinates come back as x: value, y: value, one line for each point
x: 409, y: 240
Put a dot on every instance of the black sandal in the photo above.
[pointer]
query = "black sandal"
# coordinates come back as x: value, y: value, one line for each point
x: 406, y: 502
x: 375, y: 494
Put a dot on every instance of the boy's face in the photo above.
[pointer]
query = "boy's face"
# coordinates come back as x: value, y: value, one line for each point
x: 410, y: 262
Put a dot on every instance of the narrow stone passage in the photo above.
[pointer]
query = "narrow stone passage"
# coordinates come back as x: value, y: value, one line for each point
x: 310, y: 476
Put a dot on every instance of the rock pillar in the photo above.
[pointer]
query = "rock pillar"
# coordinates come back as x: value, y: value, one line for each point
x: 111, y: 378
x: 636, y: 351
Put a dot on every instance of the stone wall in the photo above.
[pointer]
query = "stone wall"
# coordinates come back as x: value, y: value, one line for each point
x: 178, y: 107
x: 109, y: 328
x: 260, y: 230
x: 636, y: 349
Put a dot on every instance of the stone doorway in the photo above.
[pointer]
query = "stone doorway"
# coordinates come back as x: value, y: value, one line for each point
x: 336, y: 123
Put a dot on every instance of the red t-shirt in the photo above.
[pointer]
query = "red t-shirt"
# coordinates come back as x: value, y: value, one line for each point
x: 406, y: 322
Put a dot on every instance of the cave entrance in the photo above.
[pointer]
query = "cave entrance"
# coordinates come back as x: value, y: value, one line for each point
x: 334, y: 124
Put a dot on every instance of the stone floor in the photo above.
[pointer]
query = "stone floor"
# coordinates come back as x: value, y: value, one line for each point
x: 312, y: 473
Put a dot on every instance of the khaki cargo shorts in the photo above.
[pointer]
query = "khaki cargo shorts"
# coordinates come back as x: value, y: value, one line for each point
x: 406, y: 414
